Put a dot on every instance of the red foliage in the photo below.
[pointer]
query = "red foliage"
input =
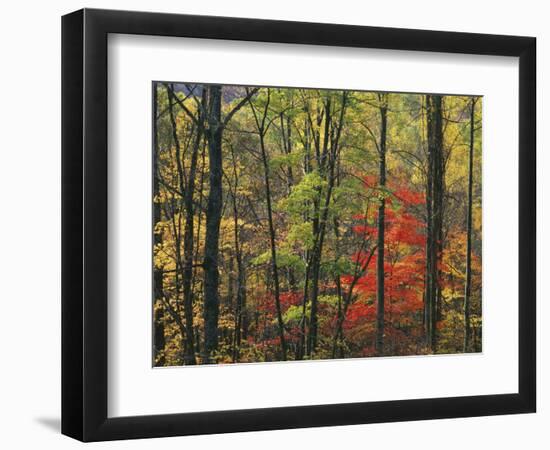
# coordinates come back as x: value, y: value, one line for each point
x: 404, y: 261
x: 290, y: 298
x: 408, y: 197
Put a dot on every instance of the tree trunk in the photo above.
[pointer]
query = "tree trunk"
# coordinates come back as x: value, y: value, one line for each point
x: 301, y: 347
x: 198, y: 282
x: 318, y: 225
x: 327, y: 162
x: 240, y: 305
x: 468, y: 286
x: 240, y: 319
x: 276, y: 285
x: 159, y: 339
x: 437, y: 212
x: 434, y: 205
x: 379, y: 343
x: 213, y: 218
x: 187, y: 191
x: 189, y: 244
x: 214, y: 135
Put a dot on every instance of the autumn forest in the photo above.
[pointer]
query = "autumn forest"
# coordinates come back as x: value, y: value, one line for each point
x: 298, y: 224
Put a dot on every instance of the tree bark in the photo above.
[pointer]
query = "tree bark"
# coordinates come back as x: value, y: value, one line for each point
x: 261, y: 124
x: 189, y: 244
x: 301, y: 347
x: 159, y: 339
x: 276, y: 286
x: 213, y: 218
x: 438, y: 213
x: 318, y: 225
x: 327, y: 161
x: 187, y: 191
x: 468, y: 285
x: 379, y: 343
x: 214, y: 135
x: 241, y: 319
x: 434, y: 207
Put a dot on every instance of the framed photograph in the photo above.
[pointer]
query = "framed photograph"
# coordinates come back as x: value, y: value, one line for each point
x: 274, y: 225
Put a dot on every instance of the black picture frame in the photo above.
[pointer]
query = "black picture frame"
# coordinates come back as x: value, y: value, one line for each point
x: 84, y: 224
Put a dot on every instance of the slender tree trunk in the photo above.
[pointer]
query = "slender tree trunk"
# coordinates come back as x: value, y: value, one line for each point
x: 338, y: 337
x: 175, y: 310
x: 189, y: 244
x: 359, y: 271
x: 438, y: 216
x: 437, y: 212
x: 213, y: 218
x: 159, y: 339
x: 328, y: 159
x: 240, y: 322
x: 276, y: 286
x: 240, y: 304
x: 177, y: 226
x: 319, y: 227
x: 198, y: 284
x: 434, y: 204
x: 430, y: 242
x: 379, y: 343
x: 429, y: 234
x: 301, y: 347
x: 468, y: 286
x: 300, y: 351
x: 262, y: 129
x: 315, y: 268
x: 286, y: 130
x: 187, y: 191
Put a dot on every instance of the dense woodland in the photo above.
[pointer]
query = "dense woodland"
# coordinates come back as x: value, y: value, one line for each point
x: 299, y: 224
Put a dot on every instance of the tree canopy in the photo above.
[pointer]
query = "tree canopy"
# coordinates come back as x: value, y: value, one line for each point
x: 294, y: 224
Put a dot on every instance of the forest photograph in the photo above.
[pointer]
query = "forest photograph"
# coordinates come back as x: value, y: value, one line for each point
x: 299, y: 224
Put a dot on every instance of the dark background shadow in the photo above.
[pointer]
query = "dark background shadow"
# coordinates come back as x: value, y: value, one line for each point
x: 52, y: 423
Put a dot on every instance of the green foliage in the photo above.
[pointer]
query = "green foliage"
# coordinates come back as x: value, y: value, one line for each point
x: 301, y: 235
x: 334, y: 268
x: 293, y: 314
x: 284, y: 259
x: 286, y: 160
x: 307, y: 190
